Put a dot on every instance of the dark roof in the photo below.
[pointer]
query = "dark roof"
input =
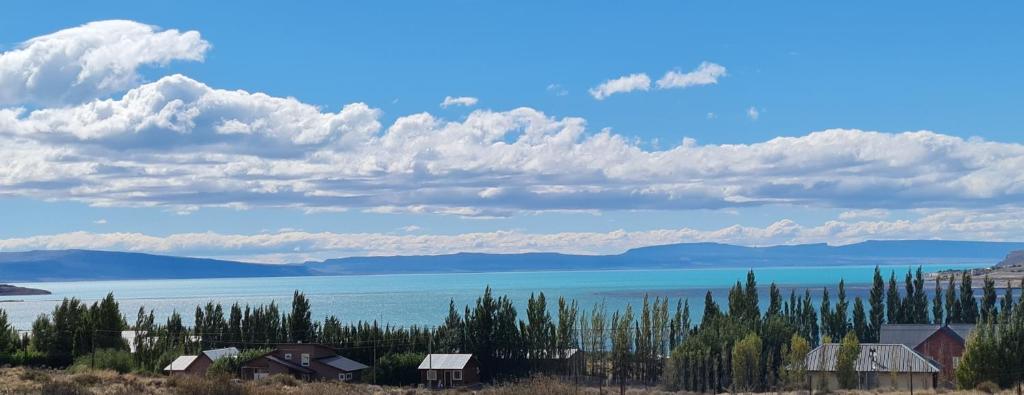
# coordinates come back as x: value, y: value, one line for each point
x: 288, y: 364
x: 341, y: 363
x: 912, y: 335
x: 887, y: 358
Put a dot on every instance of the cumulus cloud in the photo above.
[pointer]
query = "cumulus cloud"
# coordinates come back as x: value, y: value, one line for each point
x: 298, y: 246
x: 705, y: 74
x: 178, y: 144
x: 90, y: 61
x: 625, y: 84
x: 465, y: 101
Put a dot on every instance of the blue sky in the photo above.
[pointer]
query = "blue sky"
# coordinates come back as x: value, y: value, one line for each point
x: 950, y: 69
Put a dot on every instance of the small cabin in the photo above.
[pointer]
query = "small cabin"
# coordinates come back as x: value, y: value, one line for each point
x: 449, y: 370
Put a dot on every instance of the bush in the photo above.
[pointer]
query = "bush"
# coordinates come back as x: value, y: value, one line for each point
x: 34, y: 375
x: 110, y: 359
x: 988, y: 387
x: 397, y: 369
x: 196, y: 385
x: 282, y: 380
x: 64, y: 388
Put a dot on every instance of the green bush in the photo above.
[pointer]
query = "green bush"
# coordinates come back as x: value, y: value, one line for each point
x: 397, y: 369
x: 110, y: 359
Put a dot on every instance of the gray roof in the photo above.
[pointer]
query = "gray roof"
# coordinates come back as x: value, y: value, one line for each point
x: 445, y: 361
x: 341, y: 363
x: 911, y: 335
x: 887, y: 358
x: 221, y: 353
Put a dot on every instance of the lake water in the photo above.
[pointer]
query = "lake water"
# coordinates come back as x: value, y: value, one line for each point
x: 422, y: 299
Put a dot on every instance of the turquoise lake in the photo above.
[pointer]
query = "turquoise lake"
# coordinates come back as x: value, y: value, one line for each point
x: 422, y: 299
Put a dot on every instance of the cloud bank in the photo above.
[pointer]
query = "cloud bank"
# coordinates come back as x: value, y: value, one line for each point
x: 298, y: 246
x: 182, y: 145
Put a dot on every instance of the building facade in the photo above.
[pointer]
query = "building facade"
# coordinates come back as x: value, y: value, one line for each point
x: 449, y: 370
x: 304, y: 361
x: 878, y: 366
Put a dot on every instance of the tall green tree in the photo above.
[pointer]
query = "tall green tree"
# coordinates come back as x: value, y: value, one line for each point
x: 860, y: 324
x: 920, y: 298
x: 841, y: 318
x: 937, y: 309
x: 877, y: 301
x: 795, y: 372
x: 954, y: 312
x: 968, y: 305
x: 893, y: 303
x: 300, y: 322
x: 988, y: 300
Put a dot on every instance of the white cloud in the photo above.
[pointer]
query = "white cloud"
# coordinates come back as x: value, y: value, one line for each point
x: 297, y: 246
x: 411, y: 228
x: 705, y: 74
x: 100, y: 221
x: 625, y: 84
x: 753, y: 113
x: 557, y: 90
x: 711, y: 115
x: 89, y: 61
x: 181, y: 145
x: 465, y: 101
x: 876, y: 213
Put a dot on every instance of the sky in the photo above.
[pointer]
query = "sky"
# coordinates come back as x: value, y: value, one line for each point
x: 276, y: 132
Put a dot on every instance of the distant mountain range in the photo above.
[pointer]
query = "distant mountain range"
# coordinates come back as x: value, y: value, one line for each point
x: 72, y: 265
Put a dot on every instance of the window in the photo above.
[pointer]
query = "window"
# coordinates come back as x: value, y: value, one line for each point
x: 457, y: 375
x: 305, y: 359
x: 288, y: 356
x: 432, y: 375
x: 956, y: 362
x: 348, y: 376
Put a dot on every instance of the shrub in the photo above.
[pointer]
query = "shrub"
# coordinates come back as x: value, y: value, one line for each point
x: 397, y: 369
x: 110, y: 359
x: 283, y: 380
x: 64, y: 388
x: 988, y: 387
x: 34, y: 375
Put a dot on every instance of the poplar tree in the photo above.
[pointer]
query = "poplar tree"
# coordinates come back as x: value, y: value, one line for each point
x: 840, y: 319
x: 877, y: 301
x: 954, y: 313
x: 892, y: 301
x: 920, y: 298
x: 937, y: 308
x: 968, y: 305
x: 988, y: 300
x: 860, y: 324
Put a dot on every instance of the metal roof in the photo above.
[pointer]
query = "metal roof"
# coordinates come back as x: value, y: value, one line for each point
x: 887, y: 358
x: 221, y: 353
x: 445, y: 361
x: 912, y: 335
x: 341, y: 363
x: 909, y: 335
x: 180, y: 363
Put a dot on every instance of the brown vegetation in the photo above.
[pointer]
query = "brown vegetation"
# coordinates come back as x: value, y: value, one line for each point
x: 62, y: 382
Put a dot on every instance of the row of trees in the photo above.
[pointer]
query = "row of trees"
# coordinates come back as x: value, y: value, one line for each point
x: 736, y: 346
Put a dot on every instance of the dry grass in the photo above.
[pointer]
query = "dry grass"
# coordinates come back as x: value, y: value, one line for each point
x: 58, y: 382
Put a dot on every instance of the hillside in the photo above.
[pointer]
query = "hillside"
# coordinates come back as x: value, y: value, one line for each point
x: 69, y: 265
